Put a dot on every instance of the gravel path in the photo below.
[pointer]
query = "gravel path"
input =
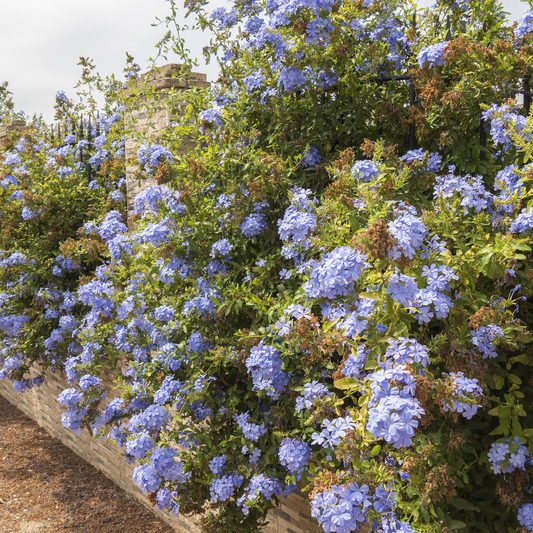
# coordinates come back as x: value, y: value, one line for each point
x: 45, y: 487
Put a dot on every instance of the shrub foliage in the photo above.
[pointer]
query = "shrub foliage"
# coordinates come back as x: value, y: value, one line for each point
x: 305, y: 299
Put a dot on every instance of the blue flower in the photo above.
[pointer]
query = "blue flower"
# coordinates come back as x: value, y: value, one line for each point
x: 150, y: 156
x: 146, y: 478
x: 483, y: 337
x: 365, y: 170
x: 283, y: 327
x: 525, y: 26
x: 299, y: 218
x: 311, y: 157
x: 152, y: 418
x: 312, y: 391
x: 221, y: 247
x: 466, y: 392
x: 253, y: 225
x: 251, y: 431
x: 525, y: 516
x: 294, y: 454
x: 211, y: 116
x: 432, y: 55
x: 139, y: 446
x: 223, y: 488
x: 88, y: 381
x: 164, y: 313
x: 264, y: 364
x: 336, y: 273
x: 217, y: 464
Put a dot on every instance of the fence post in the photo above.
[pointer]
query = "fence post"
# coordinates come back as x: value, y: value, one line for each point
x: 411, y: 126
x: 527, y: 93
x: 88, y: 166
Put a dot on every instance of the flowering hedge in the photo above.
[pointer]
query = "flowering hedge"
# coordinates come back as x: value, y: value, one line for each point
x: 309, y: 302
x: 46, y: 198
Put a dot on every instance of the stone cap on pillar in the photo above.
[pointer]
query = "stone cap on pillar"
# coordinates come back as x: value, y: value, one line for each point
x: 171, y: 76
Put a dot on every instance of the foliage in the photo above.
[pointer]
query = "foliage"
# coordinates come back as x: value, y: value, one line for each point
x: 307, y: 302
x: 48, y: 193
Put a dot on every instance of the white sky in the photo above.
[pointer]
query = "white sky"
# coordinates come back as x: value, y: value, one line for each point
x: 41, y: 42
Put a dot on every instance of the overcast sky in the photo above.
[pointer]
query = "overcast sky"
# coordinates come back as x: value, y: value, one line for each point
x: 41, y: 42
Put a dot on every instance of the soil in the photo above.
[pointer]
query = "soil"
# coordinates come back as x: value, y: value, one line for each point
x: 46, y: 488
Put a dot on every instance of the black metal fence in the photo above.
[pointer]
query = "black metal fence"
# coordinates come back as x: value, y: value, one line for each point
x: 83, y: 130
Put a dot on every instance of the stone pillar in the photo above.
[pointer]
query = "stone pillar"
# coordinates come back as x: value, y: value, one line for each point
x: 9, y: 127
x: 150, y: 119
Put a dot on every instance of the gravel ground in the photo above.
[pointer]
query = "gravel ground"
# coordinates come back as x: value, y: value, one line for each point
x: 45, y: 487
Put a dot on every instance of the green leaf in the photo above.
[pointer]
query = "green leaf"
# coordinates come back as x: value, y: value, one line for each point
x: 371, y: 364
x: 456, y: 524
x: 375, y: 450
x: 400, y: 330
x: 346, y: 383
x: 369, y: 295
x: 514, y: 379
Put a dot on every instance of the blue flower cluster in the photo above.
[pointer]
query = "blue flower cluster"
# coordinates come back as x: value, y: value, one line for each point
x: 404, y: 290
x: 393, y: 408
x: 336, y: 273
x: 434, y: 160
x: 217, y: 464
x: 506, y: 457
x: 264, y: 364
x: 523, y: 222
x: 503, y: 122
x: 162, y: 467
x: 211, y: 115
x: 365, y: 170
x: 261, y: 484
x: 311, y: 392
x: 333, y: 431
x: 294, y: 454
x: 203, y: 302
x: 483, y: 337
x: 311, y: 157
x: 355, y: 363
x: 343, y: 509
x: 466, y: 392
x: 525, y: 516
x: 223, y: 488
x: 409, y: 232
x: 221, y: 248
x: 151, y: 155
x: 253, y: 225
x: 153, y: 418
x: 299, y: 218
x: 525, y: 25
x: 471, y: 189
x: 407, y: 351
x: 250, y: 430
x: 432, y: 55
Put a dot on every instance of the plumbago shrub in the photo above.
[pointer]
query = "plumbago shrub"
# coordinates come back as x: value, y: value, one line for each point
x: 49, y: 188
x: 307, y: 302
